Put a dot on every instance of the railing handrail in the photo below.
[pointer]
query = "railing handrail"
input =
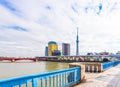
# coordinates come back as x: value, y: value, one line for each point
x: 111, y: 62
x: 107, y: 65
x: 38, y: 75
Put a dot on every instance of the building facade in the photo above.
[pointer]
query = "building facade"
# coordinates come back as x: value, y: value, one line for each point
x: 66, y: 48
x: 52, y: 46
x: 46, y: 51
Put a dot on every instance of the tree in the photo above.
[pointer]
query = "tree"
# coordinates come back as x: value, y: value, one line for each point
x: 56, y: 53
x: 105, y: 60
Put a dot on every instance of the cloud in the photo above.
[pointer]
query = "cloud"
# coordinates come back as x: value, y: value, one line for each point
x: 18, y: 28
x: 74, y: 8
x: 48, y: 7
x: 7, y: 5
x: 26, y: 26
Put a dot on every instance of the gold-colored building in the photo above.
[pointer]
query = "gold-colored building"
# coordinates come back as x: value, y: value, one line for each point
x: 52, y: 46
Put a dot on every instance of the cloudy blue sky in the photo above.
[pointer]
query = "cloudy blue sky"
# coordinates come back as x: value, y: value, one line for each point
x: 26, y: 26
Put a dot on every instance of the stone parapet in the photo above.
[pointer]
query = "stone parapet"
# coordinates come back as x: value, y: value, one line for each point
x: 82, y: 69
x: 92, y: 66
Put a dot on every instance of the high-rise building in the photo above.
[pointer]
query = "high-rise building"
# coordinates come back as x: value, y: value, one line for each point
x: 46, y: 51
x: 77, y: 43
x: 66, y: 48
x: 52, y: 46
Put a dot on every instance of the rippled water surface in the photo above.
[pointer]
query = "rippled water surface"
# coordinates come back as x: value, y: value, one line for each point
x: 8, y: 70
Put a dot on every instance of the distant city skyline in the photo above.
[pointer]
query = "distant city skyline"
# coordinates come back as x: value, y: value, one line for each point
x: 26, y: 26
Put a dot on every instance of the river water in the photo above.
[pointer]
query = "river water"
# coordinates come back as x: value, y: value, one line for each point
x: 8, y: 70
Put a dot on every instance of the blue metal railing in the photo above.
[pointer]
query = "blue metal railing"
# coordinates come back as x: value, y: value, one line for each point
x: 60, y: 78
x: 109, y: 64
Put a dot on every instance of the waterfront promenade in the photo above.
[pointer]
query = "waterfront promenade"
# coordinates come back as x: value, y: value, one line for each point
x: 108, y: 78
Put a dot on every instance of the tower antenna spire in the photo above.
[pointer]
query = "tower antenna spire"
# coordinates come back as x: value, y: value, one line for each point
x: 77, y: 31
x: 77, y: 43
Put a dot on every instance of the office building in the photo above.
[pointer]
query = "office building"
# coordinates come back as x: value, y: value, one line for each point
x: 46, y: 51
x: 66, y: 48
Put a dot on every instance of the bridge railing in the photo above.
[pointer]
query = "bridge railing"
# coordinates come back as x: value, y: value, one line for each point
x: 60, y: 78
x: 109, y: 64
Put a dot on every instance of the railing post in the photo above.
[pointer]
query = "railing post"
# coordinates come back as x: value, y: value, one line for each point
x: 100, y: 67
x: 34, y: 83
x: 101, y: 64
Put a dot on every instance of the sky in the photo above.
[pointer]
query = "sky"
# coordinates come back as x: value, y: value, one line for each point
x: 26, y: 26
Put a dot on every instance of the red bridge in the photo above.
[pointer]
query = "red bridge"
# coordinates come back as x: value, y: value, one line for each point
x: 12, y: 59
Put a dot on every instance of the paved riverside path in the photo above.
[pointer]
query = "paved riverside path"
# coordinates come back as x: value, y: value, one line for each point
x: 108, y: 78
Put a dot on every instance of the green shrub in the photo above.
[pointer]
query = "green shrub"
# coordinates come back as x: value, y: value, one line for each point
x: 105, y: 60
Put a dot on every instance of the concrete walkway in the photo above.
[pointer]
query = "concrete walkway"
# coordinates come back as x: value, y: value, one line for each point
x: 108, y: 78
